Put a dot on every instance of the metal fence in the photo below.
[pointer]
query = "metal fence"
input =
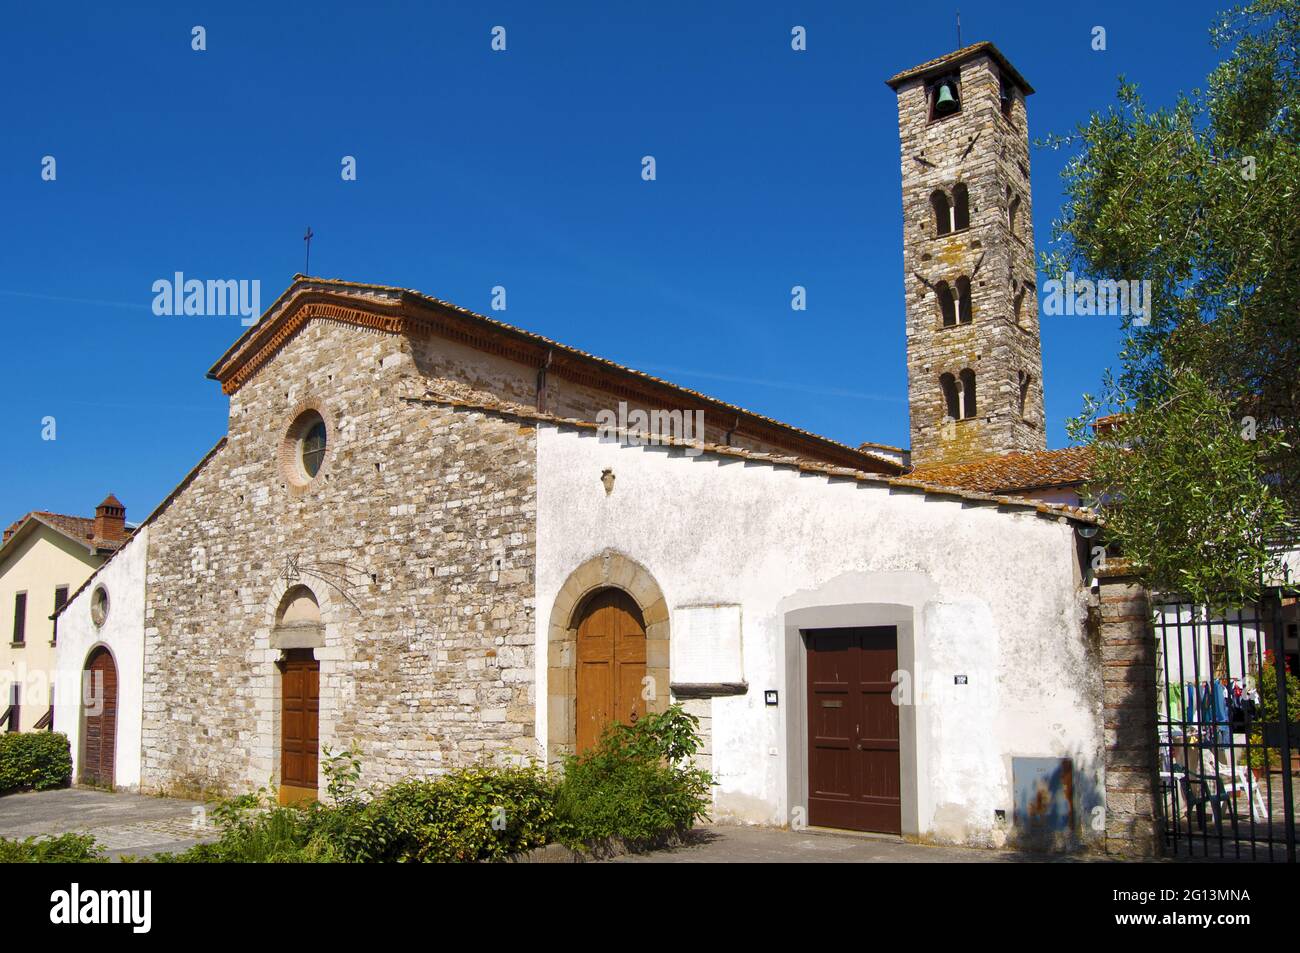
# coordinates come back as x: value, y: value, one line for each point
x: 1226, y: 738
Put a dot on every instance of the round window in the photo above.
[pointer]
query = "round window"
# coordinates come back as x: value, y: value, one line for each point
x: 99, y: 605
x: 313, y: 446
x: 302, y: 453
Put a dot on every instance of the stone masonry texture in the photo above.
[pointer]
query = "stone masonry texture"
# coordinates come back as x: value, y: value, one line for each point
x: 988, y: 153
x: 1128, y: 658
x: 417, y: 536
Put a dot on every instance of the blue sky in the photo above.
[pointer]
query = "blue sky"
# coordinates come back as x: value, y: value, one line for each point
x: 519, y: 169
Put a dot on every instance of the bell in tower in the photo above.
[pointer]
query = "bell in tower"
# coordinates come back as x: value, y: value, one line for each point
x: 974, y: 363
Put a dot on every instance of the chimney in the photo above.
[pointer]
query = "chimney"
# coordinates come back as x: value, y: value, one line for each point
x: 1108, y: 424
x: 110, y: 520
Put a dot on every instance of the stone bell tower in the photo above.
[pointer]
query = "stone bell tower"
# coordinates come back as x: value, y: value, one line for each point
x: 974, y: 360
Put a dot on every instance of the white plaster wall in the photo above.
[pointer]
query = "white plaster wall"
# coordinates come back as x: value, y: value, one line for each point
x: 123, y: 633
x: 991, y: 595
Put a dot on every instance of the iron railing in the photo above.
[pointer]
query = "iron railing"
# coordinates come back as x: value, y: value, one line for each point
x: 1224, y: 769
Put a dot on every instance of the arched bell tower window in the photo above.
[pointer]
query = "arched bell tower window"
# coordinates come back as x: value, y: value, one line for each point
x: 964, y: 313
x: 960, y: 207
x: 945, y: 98
x: 1026, y: 380
x: 1013, y: 215
x: 968, y: 408
x: 947, y: 304
x: 942, y: 212
x: 951, y: 397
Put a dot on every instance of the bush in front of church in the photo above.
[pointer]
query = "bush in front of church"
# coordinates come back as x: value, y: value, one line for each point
x: 637, y: 788
x: 34, y: 761
x: 480, y: 813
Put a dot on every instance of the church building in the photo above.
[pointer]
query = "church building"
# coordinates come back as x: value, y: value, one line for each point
x: 449, y: 540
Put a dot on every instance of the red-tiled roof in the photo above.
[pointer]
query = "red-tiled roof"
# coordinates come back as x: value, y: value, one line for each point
x: 909, y: 482
x: 1008, y: 472
x: 78, y: 528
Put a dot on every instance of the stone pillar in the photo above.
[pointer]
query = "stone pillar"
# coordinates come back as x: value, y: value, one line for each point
x: 1128, y: 667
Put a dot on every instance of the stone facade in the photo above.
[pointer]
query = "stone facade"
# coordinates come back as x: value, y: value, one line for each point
x: 417, y: 538
x: 985, y: 150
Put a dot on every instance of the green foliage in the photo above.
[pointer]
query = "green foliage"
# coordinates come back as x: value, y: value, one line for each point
x: 1270, y: 712
x: 1185, y: 493
x: 484, y: 813
x: 636, y: 785
x: 1199, y: 198
x: 34, y: 761
x: 342, y: 772
x: 63, y: 849
x: 474, y: 814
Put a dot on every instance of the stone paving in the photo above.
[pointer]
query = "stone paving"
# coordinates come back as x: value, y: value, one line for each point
x: 141, y: 826
x: 714, y: 844
x: 123, y: 823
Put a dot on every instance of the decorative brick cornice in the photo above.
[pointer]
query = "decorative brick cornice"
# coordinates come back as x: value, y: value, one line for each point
x: 264, y: 345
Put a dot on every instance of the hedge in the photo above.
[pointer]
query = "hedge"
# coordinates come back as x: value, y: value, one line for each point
x: 34, y: 761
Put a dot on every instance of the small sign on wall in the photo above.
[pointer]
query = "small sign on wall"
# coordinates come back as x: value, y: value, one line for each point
x: 706, y: 646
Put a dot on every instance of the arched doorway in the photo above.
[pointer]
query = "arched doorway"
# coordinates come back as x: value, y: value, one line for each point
x: 607, y: 570
x: 611, y: 665
x: 299, y: 725
x: 297, y: 633
x: 99, y: 718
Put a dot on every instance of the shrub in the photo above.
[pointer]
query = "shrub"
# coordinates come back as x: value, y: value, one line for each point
x: 483, y: 813
x: 34, y: 761
x: 64, y: 849
x: 636, y: 785
x: 1269, y: 711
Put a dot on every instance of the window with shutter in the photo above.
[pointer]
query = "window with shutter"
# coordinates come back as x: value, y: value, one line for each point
x: 20, y: 618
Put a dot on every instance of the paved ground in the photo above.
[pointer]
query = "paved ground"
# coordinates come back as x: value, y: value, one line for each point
x: 724, y: 844
x: 123, y: 823
x: 140, y: 825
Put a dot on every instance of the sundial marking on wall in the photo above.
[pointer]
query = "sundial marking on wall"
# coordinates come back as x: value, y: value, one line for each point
x: 339, y: 576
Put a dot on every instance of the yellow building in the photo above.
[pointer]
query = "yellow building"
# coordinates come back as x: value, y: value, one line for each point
x: 44, y: 557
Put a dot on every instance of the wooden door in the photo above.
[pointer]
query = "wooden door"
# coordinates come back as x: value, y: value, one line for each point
x: 299, y: 725
x: 99, y: 727
x: 611, y: 665
x: 853, y: 751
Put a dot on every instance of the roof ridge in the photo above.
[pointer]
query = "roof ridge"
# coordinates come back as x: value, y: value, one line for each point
x: 303, y: 283
x: 1055, y: 510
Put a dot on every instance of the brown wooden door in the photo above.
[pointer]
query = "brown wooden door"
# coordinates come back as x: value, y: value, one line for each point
x: 99, y: 732
x: 299, y: 724
x: 611, y: 665
x: 853, y: 766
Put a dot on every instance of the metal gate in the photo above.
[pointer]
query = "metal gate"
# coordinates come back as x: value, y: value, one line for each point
x: 1227, y: 735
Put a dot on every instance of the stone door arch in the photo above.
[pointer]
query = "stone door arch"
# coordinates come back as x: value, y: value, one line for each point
x: 609, y: 570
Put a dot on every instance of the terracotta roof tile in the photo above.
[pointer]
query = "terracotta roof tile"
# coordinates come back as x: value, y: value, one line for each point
x: 78, y: 528
x: 1047, y: 510
x: 1008, y: 472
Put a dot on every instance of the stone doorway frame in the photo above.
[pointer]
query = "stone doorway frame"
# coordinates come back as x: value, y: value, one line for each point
x: 609, y: 570
x: 272, y: 641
